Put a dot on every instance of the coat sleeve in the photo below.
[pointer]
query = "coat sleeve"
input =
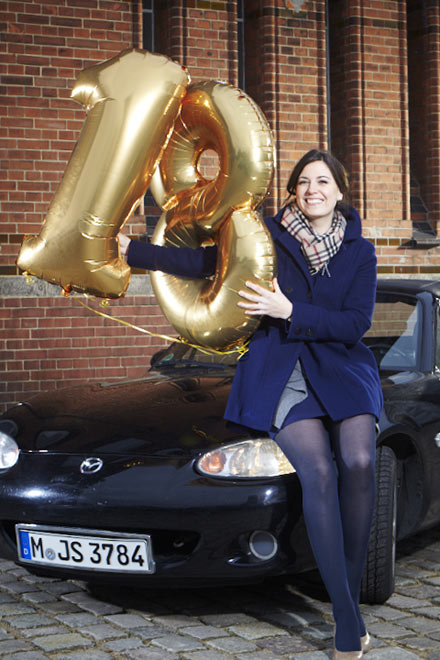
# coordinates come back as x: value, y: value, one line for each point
x: 181, y: 261
x: 350, y: 323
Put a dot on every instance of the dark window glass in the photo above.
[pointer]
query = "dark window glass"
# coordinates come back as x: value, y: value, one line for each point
x: 148, y: 25
x: 394, y: 333
x: 437, y: 350
x: 152, y: 213
x: 240, y: 38
x: 151, y: 210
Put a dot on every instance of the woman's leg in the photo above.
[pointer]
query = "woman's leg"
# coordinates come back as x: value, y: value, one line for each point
x: 354, y: 444
x: 307, y: 445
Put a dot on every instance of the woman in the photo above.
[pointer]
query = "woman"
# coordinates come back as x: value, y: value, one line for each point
x: 307, y: 379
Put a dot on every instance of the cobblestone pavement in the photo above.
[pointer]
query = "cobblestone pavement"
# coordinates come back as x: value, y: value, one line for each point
x: 64, y: 620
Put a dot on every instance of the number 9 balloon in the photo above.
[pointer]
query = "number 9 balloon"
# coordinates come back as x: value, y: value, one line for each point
x: 142, y: 119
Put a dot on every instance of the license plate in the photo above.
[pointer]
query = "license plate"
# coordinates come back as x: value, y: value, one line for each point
x: 84, y: 549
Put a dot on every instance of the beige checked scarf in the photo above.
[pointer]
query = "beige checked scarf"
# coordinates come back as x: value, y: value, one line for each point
x: 318, y: 249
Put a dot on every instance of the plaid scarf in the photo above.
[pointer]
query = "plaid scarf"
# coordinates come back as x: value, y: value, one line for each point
x: 318, y: 249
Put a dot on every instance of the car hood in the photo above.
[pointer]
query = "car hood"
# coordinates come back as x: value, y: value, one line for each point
x: 162, y: 415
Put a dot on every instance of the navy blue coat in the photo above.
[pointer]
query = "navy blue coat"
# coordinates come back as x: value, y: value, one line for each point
x: 330, y: 317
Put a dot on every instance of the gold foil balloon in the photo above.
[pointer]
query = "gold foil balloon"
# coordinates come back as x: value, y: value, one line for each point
x: 222, y: 118
x: 132, y: 102
x: 133, y: 127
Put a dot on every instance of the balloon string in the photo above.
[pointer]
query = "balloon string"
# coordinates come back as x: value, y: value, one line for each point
x: 241, y: 350
x: 207, y: 351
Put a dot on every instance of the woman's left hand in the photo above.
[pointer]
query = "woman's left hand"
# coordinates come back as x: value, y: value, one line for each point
x: 272, y: 303
x: 124, y: 242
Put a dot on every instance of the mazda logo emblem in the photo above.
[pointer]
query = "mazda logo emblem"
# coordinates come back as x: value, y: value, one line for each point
x: 91, y: 465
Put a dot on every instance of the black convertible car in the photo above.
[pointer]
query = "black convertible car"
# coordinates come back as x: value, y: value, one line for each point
x: 143, y: 482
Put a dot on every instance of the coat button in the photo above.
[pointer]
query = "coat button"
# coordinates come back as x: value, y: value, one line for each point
x: 309, y: 293
x: 309, y: 333
x: 297, y: 331
x: 288, y: 289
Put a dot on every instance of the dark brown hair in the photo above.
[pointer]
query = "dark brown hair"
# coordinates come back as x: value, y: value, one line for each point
x: 336, y: 168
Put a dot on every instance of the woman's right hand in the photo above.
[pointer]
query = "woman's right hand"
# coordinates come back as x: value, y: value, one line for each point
x: 124, y: 242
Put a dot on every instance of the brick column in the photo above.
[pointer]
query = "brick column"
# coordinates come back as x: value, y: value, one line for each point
x: 202, y: 36
x: 347, y: 94
x: 369, y: 110
x: 286, y: 75
x: 171, y: 31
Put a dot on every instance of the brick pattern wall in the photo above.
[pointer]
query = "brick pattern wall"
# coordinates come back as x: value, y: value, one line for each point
x: 369, y: 94
x: 370, y: 127
x: 48, y: 340
x: 286, y: 75
x: 389, y: 223
x: 200, y: 34
x: 44, y: 46
x: 51, y: 342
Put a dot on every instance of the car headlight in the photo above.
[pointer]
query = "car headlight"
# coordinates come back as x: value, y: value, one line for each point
x: 246, y: 459
x: 9, y: 451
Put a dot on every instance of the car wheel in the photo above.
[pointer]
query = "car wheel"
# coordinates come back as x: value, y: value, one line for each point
x: 379, y: 574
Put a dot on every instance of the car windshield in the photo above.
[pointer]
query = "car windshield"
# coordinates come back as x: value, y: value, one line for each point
x: 394, y: 333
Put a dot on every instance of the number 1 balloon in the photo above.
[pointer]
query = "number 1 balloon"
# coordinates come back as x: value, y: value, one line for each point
x: 132, y: 101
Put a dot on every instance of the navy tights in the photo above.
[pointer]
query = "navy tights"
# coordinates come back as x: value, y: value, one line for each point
x: 338, y: 506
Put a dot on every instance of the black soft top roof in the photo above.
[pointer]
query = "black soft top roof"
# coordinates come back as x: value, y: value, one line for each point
x: 410, y: 286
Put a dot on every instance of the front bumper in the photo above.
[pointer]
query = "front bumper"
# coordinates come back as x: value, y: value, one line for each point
x: 200, y: 527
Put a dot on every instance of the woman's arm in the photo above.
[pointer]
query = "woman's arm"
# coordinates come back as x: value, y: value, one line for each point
x: 179, y: 261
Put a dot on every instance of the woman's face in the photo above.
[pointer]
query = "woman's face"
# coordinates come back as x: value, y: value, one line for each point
x: 317, y: 193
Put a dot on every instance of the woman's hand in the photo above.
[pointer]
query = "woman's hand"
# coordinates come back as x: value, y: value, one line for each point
x: 272, y: 303
x: 124, y: 242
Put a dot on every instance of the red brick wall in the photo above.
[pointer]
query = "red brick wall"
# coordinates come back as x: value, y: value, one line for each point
x: 51, y: 342
x: 286, y: 75
x: 370, y: 99
x: 370, y: 126
x: 44, y: 46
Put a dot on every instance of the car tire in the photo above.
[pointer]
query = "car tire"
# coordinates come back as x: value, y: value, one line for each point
x: 379, y: 574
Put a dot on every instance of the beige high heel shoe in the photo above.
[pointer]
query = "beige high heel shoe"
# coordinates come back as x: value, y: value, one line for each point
x: 366, y: 642
x: 354, y: 655
x: 347, y: 655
